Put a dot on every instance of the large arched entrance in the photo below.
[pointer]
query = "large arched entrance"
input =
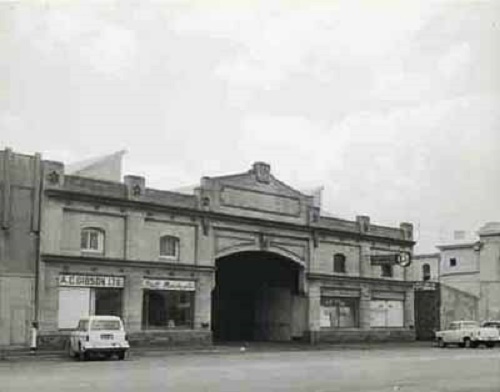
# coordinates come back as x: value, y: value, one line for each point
x: 257, y: 297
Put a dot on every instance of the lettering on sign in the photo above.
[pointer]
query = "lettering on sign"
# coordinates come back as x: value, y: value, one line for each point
x: 66, y: 280
x: 163, y: 284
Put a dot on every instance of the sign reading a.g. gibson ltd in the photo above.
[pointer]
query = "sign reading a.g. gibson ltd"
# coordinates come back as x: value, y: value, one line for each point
x: 67, y: 280
x: 165, y: 284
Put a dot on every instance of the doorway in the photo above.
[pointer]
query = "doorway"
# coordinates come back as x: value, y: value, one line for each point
x: 256, y: 298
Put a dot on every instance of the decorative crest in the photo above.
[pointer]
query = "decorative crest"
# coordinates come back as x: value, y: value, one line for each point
x: 262, y: 172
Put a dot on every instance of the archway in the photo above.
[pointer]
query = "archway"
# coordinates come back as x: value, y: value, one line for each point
x: 257, y: 297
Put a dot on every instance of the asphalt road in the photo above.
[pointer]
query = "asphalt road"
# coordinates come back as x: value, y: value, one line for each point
x: 381, y: 369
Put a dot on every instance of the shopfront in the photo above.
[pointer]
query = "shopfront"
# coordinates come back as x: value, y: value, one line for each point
x: 167, y: 304
x: 339, y: 308
x: 84, y: 295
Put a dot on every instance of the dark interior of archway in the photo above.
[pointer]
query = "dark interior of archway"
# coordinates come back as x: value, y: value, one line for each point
x: 252, y: 299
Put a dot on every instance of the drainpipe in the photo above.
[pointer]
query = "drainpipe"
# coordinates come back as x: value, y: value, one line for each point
x: 36, y: 227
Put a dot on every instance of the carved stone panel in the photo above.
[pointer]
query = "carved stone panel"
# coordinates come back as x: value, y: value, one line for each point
x: 270, y: 203
x: 295, y: 249
x: 225, y: 242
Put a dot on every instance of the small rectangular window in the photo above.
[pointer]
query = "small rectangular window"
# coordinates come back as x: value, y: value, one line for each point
x: 453, y: 262
x: 339, y: 263
x: 386, y: 270
x: 169, y: 247
x: 92, y: 240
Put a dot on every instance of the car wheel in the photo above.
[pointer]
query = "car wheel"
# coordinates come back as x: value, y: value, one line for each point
x: 441, y: 343
x: 121, y: 355
x: 82, y: 355
x: 467, y: 343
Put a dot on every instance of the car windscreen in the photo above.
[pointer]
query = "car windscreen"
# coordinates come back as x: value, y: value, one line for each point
x: 470, y: 325
x: 105, y: 325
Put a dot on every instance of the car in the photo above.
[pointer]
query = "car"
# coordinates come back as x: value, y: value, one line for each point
x: 467, y: 334
x: 491, y: 324
x: 103, y: 335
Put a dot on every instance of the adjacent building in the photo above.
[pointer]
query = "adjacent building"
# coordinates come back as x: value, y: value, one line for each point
x: 20, y: 184
x: 244, y: 257
x: 473, y: 267
x: 462, y: 280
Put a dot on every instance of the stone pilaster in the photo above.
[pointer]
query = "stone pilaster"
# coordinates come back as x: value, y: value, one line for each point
x: 133, y: 235
x: 409, y: 312
x: 365, y: 267
x: 205, y: 243
x: 203, y: 301
x: 132, y: 302
x: 364, y: 308
x: 314, y: 309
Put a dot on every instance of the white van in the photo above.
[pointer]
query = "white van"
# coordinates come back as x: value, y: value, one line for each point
x: 100, y: 335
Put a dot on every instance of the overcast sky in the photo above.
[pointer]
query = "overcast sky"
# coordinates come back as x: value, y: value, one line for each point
x: 393, y: 106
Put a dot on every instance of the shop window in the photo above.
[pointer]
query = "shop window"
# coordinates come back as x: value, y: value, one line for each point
x: 108, y: 302
x: 453, y: 262
x: 339, y: 312
x: 339, y: 263
x: 92, y: 240
x: 426, y: 272
x: 169, y: 247
x: 78, y: 302
x: 167, y: 309
x: 386, y: 313
x: 386, y: 270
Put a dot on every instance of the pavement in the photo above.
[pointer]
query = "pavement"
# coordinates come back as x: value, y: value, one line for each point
x: 373, y: 368
x: 17, y: 354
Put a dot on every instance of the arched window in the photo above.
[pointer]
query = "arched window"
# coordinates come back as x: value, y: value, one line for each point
x: 339, y: 263
x: 169, y: 247
x: 426, y: 272
x: 92, y: 240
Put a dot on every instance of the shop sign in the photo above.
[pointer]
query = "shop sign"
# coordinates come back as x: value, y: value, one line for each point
x: 67, y: 280
x: 383, y: 259
x: 163, y: 284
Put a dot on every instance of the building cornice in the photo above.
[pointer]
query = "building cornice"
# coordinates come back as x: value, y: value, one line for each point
x: 340, y: 279
x: 459, y: 273
x: 457, y: 246
x: 426, y: 256
x: 122, y: 263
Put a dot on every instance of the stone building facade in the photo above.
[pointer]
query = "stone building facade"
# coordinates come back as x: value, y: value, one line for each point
x: 20, y: 181
x: 463, y: 279
x: 425, y: 267
x: 245, y: 257
x: 473, y: 269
